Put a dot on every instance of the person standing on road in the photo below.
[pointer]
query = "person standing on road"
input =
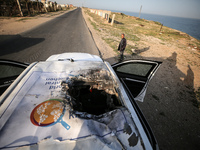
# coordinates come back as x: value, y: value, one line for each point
x: 122, y: 46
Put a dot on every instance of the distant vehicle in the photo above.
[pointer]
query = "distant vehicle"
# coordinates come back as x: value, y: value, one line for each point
x: 75, y: 101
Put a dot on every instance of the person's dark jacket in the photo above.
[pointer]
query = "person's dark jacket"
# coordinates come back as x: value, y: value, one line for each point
x: 122, y: 45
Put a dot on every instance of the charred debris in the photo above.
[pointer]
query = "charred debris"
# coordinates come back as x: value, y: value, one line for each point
x: 91, y: 92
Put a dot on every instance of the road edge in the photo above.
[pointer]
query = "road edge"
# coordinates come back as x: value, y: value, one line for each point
x: 106, y: 52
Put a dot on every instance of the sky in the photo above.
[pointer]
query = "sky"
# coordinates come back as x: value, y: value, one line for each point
x: 179, y: 8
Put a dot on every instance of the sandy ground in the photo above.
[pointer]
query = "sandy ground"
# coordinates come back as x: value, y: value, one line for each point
x: 170, y: 103
x: 106, y: 51
x: 17, y: 25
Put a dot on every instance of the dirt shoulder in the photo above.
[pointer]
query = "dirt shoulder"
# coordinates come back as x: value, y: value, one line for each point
x: 11, y: 26
x: 170, y: 105
x: 105, y: 50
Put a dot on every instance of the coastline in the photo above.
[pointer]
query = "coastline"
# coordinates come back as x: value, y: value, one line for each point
x: 187, y: 25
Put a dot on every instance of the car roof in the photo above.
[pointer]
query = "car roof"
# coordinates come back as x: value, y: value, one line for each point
x: 41, y: 86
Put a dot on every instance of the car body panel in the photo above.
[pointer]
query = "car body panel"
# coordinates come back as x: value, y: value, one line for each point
x: 53, y: 81
x: 74, y: 56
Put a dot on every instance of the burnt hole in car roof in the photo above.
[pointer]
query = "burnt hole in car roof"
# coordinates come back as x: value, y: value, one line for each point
x: 133, y: 140
x: 127, y: 129
x: 91, y: 92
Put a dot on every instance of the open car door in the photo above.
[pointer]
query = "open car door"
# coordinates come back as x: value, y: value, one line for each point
x: 9, y: 71
x: 135, y: 76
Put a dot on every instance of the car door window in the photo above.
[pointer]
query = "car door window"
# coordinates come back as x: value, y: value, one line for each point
x: 139, y: 69
x: 135, y: 75
x: 9, y: 71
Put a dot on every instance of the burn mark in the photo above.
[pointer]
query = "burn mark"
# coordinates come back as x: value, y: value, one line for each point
x: 127, y: 129
x: 133, y: 140
x: 92, y: 92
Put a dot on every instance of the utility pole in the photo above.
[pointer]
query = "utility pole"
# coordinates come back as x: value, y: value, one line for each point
x: 21, y: 13
x: 140, y: 11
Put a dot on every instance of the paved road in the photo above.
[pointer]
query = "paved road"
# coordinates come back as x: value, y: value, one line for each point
x: 66, y: 33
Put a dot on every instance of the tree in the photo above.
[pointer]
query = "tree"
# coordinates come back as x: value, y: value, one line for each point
x: 37, y: 5
x: 27, y: 6
x: 55, y: 6
x: 21, y: 13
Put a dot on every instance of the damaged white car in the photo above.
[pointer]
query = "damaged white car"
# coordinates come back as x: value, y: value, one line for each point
x: 76, y: 101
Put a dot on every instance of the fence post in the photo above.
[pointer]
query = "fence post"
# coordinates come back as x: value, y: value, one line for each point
x: 113, y: 18
x: 108, y: 18
x: 161, y: 27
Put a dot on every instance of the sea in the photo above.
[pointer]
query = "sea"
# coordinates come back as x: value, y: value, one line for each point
x: 187, y: 25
